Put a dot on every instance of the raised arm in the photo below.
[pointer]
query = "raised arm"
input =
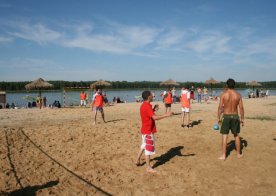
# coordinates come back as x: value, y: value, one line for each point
x: 155, y: 117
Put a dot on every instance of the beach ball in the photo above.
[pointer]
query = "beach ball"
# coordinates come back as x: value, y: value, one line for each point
x: 216, y: 127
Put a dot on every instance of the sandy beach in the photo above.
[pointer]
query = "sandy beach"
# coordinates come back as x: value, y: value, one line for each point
x: 60, y: 152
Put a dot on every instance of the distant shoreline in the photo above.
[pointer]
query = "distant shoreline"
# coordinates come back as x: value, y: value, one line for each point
x: 120, y: 89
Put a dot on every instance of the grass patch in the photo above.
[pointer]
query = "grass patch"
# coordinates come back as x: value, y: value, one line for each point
x: 261, y: 118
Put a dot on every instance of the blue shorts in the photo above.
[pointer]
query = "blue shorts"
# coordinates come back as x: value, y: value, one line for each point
x: 98, y: 109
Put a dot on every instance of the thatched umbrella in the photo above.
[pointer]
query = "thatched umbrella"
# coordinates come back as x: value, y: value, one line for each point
x: 169, y: 83
x: 100, y: 84
x: 253, y: 84
x: 38, y: 84
x: 211, y: 81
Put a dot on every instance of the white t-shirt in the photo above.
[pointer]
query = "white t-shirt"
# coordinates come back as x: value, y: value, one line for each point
x: 94, y: 96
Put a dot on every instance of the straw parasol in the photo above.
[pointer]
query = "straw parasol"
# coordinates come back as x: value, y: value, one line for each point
x: 38, y: 84
x: 253, y: 84
x: 211, y: 81
x: 169, y: 82
x: 100, y: 84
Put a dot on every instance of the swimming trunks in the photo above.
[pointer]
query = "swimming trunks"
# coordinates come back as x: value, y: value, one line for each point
x: 98, y: 109
x: 148, y: 144
x: 230, y: 122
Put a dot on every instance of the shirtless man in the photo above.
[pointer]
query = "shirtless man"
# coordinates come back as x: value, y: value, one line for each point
x: 230, y: 101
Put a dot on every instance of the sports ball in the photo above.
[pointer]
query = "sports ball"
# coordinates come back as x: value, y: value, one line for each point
x: 216, y: 127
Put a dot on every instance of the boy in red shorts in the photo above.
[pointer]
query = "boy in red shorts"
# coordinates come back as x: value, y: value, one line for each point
x: 148, y: 129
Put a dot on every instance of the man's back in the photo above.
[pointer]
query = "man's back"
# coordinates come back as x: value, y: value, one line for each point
x: 231, y: 100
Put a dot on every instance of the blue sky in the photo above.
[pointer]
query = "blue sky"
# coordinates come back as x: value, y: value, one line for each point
x: 136, y: 40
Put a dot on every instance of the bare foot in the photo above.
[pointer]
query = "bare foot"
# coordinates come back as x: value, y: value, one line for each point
x: 222, y: 158
x: 150, y: 170
x: 138, y: 163
x: 94, y: 123
x: 239, y: 156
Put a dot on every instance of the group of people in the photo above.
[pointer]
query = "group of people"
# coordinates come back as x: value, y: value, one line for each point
x: 202, y: 95
x: 84, y: 98
x: 38, y: 102
x: 12, y: 106
x: 230, y: 115
x: 259, y: 93
x: 99, y: 100
x: 185, y: 101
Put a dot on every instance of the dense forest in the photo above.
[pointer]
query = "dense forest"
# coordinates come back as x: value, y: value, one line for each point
x: 19, y: 86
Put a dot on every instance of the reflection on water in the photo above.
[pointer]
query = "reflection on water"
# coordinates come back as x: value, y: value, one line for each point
x: 72, y: 98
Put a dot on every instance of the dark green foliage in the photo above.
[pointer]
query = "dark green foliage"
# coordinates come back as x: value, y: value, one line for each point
x: 59, y: 84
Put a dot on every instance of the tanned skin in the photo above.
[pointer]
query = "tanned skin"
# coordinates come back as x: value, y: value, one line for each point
x: 230, y: 103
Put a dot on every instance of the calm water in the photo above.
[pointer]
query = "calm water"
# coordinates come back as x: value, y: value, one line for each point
x: 72, y: 97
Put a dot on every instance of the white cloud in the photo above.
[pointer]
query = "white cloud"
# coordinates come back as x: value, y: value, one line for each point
x: 210, y: 43
x: 114, y: 38
x: 28, y: 64
x: 5, y: 39
x: 170, y: 39
x: 262, y: 46
x: 136, y: 36
x: 38, y: 33
x: 98, y: 43
x: 120, y: 39
x: 27, y: 69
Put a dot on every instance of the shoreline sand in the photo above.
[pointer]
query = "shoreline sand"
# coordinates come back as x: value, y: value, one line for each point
x: 60, y: 152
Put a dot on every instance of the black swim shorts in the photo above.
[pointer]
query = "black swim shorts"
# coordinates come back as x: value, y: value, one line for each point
x: 230, y: 122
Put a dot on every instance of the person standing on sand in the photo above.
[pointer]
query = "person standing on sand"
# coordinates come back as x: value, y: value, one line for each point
x: 205, y: 94
x: 185, y: 107
x: 83, y: 98
x: 148, y: 129
x: 199, y: 94
x: 168, y: 101
x: 97, y: 105
x: 230, y: 101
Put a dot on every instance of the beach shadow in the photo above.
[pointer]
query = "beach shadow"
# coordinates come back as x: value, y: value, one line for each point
x: 62, y: 166
x: 164, y: 158
x: 11, y: 162
x: 141, y: 164
x: 31, y: 190
x: 109, y: 121
x: 231, y: 146
x: 196, y: 122
x: 177, y: 113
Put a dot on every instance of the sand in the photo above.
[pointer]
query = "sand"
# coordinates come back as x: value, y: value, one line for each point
x: 60, y: 152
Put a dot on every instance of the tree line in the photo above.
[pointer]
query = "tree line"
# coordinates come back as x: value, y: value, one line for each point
x: 58, y: 84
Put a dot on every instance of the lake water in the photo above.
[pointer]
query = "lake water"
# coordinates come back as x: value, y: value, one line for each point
x: 72, y: 97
